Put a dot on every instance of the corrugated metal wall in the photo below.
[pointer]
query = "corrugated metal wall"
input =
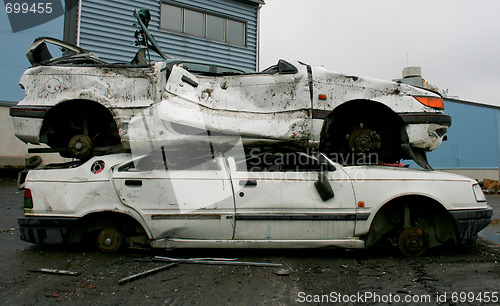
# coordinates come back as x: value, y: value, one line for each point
x: 473, y: 139
x: 106, y: 28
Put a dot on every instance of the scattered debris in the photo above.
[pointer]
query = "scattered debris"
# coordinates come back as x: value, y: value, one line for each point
x: 218, y: 259
x: 55, y: 271
x: 208, y: 261
x: 282, y: 272
x: 217, y: 262
x: 145, y: 273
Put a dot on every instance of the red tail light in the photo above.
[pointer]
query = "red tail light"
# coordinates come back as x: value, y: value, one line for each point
x: 434, y: 102
x: 28, y: 199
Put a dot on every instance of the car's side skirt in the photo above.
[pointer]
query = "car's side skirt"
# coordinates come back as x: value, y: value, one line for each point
x: 351, y: 243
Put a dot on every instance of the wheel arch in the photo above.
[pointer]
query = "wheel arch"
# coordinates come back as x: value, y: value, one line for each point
x: 96, y: 221
x: 345, y: 124
x: 75, y: 108
x: 357, y: 106
x: 425, y: 211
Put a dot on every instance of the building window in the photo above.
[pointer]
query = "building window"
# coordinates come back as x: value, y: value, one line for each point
x: 183, y: 20
x: 193, y: 23
x: 171, y: 18
x: 215, y: 27
x: 235, y: 32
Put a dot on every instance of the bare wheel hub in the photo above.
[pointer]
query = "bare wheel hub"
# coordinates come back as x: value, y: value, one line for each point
x: 80, y: 146
x: 109, y: 240
x: 364, y: 140
x: 412, y: 241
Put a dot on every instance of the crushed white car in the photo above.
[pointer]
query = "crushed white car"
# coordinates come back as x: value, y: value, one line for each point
x: 265, y: 199
x: 81, y: 106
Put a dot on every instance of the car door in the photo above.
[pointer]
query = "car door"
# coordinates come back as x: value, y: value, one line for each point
x: 276, y: 199
x: 274, y: 104
x: 179, y: 194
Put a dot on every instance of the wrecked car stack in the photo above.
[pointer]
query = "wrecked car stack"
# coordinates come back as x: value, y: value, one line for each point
x: 78, y: 104
x: 147, y: 134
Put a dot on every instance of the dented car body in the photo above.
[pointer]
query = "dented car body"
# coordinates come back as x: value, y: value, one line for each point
x: 265, y: 200
x: 79, y: 106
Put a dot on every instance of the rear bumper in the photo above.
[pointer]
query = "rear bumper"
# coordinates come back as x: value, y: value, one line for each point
x: 426, y: 130
x: 426, y: 118
x: 470, y: 222
x: 29, y: 111
x: 28, y: 121
x: 47, y: 230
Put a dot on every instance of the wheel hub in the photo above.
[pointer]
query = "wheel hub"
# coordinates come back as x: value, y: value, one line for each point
x: 80, y: 146
x: 109, y: 240
x: 364, y: 140
x: 412, y: 241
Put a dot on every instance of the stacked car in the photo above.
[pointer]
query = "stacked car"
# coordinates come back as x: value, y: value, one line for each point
x: 185, y: 154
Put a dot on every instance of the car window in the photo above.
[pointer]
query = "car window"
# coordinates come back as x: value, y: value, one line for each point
x: 227, y: 70
x: 193, y: 159
x: 197, y: 68
x: 206, y: 69
x: 282, y: 67
x: 173, y: 160
x: 283, y: 162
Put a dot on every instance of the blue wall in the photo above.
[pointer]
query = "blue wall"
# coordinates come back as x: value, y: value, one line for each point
x: 107, y: 30
x: 13, y: 61
x: 473, y: 138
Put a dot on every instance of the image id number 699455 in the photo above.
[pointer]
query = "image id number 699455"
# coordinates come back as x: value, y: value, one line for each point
x: 471, y: 297
x: 28, y: 8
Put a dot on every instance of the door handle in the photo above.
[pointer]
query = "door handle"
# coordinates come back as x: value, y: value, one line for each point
x: 134, y: 183
x: 248, y: 183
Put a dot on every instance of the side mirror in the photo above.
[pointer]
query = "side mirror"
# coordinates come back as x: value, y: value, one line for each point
x: 323, y: 184
x: 145, y: 16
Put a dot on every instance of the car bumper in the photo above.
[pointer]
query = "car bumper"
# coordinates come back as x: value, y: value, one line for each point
x: 28, y: 122
x: 470, y: 222
x: 426, y: 130
x: 45, y: 230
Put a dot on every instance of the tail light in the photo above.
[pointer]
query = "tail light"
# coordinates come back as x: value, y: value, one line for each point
x: 433, y: 102
x: 28, y: 199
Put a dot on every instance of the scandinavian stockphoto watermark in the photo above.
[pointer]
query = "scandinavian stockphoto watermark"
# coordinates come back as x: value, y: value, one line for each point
x: 26, y: 14
x: 385, y: 298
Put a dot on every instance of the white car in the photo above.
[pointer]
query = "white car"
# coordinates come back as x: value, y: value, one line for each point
x: 200, y: 199
x: 81, y: 106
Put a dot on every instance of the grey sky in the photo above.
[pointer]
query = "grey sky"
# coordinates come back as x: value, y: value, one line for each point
x: 456, y: 42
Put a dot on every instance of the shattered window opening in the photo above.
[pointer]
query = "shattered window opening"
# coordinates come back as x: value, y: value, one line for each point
x: 193, y: 159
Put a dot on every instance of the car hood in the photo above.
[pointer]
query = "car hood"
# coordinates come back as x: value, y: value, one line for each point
x: 376, y: 172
